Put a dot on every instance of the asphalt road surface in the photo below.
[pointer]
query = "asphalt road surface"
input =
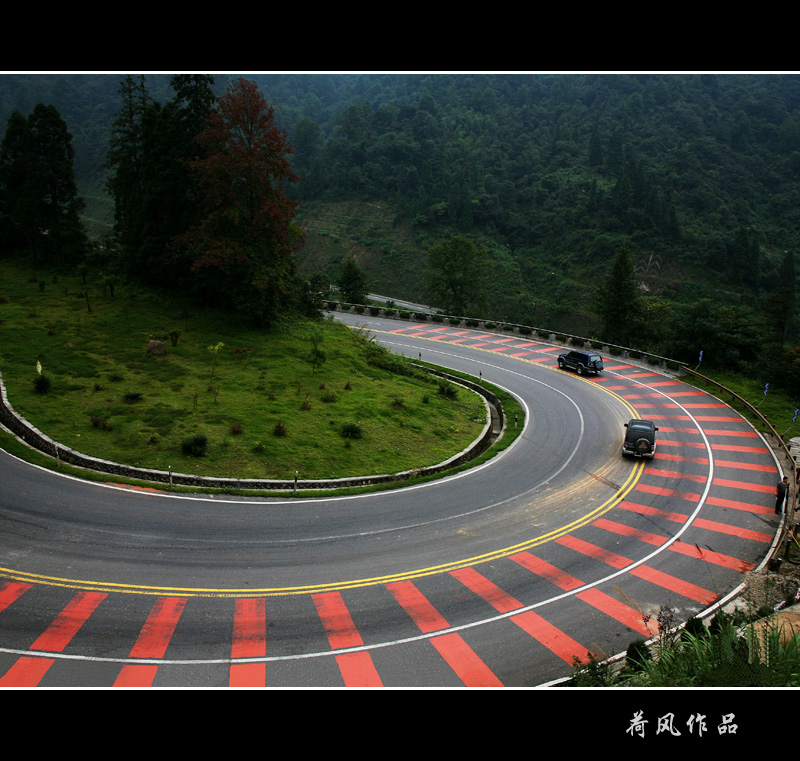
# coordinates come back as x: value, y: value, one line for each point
x: 498, y: 576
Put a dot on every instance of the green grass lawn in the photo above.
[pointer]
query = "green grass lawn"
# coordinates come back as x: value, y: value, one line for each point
x: 110, y: 398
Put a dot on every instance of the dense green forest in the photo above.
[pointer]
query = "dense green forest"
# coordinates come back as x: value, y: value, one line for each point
x: 672, y: 198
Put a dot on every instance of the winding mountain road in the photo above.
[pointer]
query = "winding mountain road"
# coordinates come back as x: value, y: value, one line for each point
x: 497, y: 576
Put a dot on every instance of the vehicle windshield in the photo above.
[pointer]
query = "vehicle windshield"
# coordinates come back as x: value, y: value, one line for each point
x: 595, y: 358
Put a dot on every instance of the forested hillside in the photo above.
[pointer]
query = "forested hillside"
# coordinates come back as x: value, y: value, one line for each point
x: 551, y: 176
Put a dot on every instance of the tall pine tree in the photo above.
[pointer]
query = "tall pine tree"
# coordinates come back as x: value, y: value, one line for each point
x: 39, y: 202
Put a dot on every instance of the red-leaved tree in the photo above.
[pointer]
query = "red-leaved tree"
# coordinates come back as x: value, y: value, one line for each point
x: 242, y: 252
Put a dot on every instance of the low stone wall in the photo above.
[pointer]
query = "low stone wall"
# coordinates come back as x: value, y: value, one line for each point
x: 34, y: 438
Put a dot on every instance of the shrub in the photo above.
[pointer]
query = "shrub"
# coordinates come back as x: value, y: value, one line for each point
x: 351, y: 431
x: 447, y: 390
x: 41, y: 384
x: 99, y: 422
x: 279, y: 429
x: 132, y: 396
x: 638, y: 653
x: 236, y: 429
x: 196, y: 445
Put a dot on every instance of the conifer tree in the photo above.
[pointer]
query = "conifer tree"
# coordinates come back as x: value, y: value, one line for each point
x: 40, y: 204
x: 619, y: 300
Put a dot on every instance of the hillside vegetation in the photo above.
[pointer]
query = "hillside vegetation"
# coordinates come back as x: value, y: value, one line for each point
x: 221, y: 399
x: 550, y: 175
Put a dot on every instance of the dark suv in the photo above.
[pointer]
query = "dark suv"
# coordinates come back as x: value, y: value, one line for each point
x: 640, y: 438
x: 582, y: 361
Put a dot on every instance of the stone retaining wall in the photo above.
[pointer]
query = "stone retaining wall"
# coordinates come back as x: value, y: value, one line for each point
x: 26, y: 432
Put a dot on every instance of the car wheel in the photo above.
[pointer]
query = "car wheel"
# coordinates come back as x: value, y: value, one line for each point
x: 642, y: 446
x: 580, y: 369
x: 561, y: 364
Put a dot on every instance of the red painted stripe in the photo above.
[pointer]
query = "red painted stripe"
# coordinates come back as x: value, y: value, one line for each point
x: 26, y: 672
x: 60, y: 633
x: 744, y: 485
x: 337, y: 620
x: 152, y: 642
x: 249, y: 628
x: 618, y: 610
x: 664, y: 492
x: 715, y: 419
x: 593, y: 551
x: 735, y: 505
x: 29, y: 671
x: 684, y: 588
x: 682, y: 444
x: 725, y: 528
x: 709, y: 556
x: 623, y: 530
x: 551, y: 637
x: 736, y: 448
x: 425, y: 616
x: 746, y: 466
x: 548, y: 635
x: 159, y: 628
x: 249, y: 641
x: 634, y: 507
x: 11, y: 591
x: 546, y: 571
x: 674, y: 474
x: 683, y: 548
x: 681, y: 458
x: 472, y: 671
x: 501, y: 601
x: 357, y: 669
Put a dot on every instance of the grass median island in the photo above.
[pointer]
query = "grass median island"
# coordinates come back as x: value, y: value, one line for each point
x: 223, y: 399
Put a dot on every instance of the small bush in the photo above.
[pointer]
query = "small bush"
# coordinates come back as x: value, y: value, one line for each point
x: 351, y: 431
x: 196, y: 445
x: 132, y: 396
x: 280, y: 429
x: 329, y: 397
x: 447, y: 390
x: 41, y: 384
x: 637, y: 655
x: 236, y: 429
x: 99, y: 422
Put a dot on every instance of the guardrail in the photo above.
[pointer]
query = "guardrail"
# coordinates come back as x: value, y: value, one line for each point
x: 788, y: 530
x: 554, y: 336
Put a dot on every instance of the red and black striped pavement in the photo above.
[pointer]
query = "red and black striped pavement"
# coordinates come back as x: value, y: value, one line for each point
x: 698, y: 517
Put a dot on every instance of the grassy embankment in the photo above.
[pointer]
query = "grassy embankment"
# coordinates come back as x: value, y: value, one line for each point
x: 109, y: 398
